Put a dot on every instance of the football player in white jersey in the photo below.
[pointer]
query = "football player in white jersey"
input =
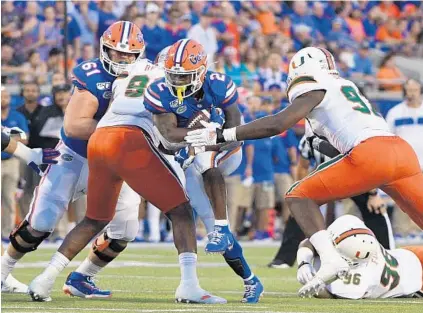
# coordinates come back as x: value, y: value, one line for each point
x: 371, y: 156
x: 375, y: 271
x: 124, y: 149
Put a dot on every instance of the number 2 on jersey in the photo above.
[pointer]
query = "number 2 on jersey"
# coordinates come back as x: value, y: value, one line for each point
x: 353, y: 96
x: 136, y: 86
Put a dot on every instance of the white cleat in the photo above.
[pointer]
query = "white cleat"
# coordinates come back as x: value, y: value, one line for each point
x: 40, y: 288
x: 196, y: 295
x: 328, y: 272
x: 12, y: 285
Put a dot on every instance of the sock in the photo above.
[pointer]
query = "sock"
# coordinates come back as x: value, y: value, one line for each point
x: 57, y: 264
x: 7, y: 265
x: 188, y: 265
x: 323, y: 244
x: 221, y: 222
x: 88, y: 268
x: 237, y: 262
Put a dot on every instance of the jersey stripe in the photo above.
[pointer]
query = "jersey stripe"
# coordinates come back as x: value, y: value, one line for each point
x: 230, y: 91
x: 74, y: 77
x: 151, y: 98
x: 301, y: 79
x: 158, y: 108
x: 180, y: 51
x: 230, y: 96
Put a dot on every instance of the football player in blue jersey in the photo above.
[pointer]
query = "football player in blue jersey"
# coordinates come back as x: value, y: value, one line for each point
x: 176, y: 100
x: 121, y: 44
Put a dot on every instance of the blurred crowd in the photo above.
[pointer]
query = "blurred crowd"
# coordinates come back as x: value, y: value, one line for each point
x: 251, y: 41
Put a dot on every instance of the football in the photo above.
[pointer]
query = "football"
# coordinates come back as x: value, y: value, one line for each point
x: 194, y: 121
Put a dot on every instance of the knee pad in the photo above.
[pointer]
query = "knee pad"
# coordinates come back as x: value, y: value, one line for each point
x: 102, y: 243
x: 26, y: 236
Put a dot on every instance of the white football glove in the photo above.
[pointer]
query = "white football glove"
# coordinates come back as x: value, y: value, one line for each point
x: 305, y: 273
x: 203, y: 136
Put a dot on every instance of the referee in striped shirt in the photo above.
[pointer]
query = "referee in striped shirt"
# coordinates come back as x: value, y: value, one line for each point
x: 369, y: 204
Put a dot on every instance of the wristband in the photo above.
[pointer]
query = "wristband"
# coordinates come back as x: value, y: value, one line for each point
x: 302, y: 263
x: 229, y: 134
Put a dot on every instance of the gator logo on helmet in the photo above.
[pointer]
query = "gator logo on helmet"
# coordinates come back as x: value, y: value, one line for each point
x: 196, y: 58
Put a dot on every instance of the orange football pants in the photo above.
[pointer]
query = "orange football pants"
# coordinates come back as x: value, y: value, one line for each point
x: 124, y: 153
x: 389, y: 163
x: 418, y: 251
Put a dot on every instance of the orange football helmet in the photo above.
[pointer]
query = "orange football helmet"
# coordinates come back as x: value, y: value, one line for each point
x: 185, y: 68
x: 121, y: 36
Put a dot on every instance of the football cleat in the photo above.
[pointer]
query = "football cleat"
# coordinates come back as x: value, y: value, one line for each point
x: 40, y: 288
x: 186, y: 293
x: 328, y: 272
x: 80, y: 285
x: 12, y: 285
x: 220, y: 240
x: 253, y: 291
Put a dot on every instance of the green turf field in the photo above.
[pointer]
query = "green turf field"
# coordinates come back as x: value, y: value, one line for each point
x: 144, y: 280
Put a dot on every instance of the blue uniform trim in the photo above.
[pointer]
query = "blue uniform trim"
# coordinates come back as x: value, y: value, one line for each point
x: 404, y: 121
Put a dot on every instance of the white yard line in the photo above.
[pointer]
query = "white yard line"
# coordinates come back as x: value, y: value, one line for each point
x: 205, y: 308
x: 169, y: 245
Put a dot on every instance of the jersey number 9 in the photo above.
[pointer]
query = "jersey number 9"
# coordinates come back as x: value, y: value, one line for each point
x: 136, y: 86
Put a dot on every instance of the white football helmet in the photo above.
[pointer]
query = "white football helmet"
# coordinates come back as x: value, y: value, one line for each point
x: 311, y: 61
x: 353, y: 239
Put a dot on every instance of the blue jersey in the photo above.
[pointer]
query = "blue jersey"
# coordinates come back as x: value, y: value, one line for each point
x: 218, y: 91
x: 91, y: 76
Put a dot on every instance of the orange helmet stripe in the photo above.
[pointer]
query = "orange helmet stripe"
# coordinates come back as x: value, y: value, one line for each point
x: 352, y: 232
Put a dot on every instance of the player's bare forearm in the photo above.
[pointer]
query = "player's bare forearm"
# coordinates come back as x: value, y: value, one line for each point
x: 232, y: 116
x: 275, y: 124
x: 79, y: 116
x: 166, y: 123
x: 81, y: 128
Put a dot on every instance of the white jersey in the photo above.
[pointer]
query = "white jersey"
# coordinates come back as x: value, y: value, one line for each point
x: 127, y: 103
x: 389, y: 274
x: 345, y: 117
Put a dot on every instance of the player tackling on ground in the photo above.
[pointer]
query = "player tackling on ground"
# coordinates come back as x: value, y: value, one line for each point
x: 375, y: 272
x: 371, y: 156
